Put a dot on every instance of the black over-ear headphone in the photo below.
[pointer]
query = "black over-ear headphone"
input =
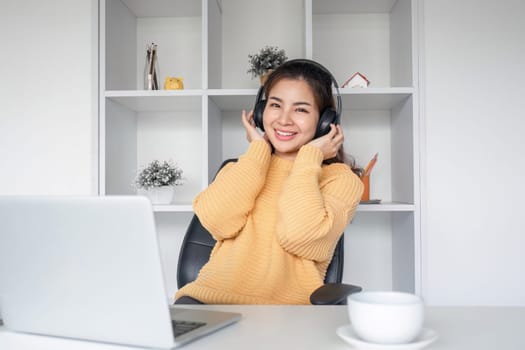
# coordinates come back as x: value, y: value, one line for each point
x: 327, y: 116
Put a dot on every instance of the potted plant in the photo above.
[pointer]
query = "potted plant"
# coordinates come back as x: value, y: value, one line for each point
x: 267, y: 59
x: 158, y: 180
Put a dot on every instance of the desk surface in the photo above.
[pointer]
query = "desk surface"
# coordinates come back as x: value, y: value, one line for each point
x: 314, y: 327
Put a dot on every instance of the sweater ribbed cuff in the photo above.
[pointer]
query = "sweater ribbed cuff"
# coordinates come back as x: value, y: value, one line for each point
x: 309, y: 154
x: 260, y: 151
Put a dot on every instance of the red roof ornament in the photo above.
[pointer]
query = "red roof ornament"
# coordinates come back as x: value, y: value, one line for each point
x: 356, y: 80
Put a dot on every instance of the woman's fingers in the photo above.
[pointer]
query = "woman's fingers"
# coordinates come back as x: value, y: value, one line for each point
x: 246, y: 117
x: 249, y: 124
x: 336, y: 140
x: 339, y: 137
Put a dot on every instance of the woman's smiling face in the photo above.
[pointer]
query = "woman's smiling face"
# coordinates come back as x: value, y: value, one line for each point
x: 290, y: 117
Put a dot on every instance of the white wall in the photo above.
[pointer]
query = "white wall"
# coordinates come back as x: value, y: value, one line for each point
x: 474, y: 103
x: 48, y: 97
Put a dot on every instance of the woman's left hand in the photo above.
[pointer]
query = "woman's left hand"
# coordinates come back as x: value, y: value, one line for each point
x: 251, y: 130
x: 330, y: 143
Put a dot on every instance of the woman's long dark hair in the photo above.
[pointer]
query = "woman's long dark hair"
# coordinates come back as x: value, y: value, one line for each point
x: 320, y: 81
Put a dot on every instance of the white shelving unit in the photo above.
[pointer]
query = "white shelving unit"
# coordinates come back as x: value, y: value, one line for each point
x: 207, y: 43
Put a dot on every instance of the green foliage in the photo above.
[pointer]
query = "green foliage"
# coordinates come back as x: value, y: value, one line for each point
x: 269, y: 57
x: 157, y: 174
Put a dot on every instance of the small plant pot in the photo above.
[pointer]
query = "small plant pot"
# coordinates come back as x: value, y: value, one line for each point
x: 161, y: 195
x: 263, y: 77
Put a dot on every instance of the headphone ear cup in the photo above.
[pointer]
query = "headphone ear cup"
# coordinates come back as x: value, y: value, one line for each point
x: 329, y: 116
x: 258, y: 114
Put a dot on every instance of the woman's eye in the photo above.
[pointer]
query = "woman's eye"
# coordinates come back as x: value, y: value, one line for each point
x: 301, y: 110
x: 274, y: 105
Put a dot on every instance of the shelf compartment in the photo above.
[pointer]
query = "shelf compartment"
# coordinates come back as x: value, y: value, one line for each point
x: 389, y: 132
x: 176, y: 28
x: 371, y: 37
x: 233, y: 35
x: 133, y: 138
x: 373, y: 119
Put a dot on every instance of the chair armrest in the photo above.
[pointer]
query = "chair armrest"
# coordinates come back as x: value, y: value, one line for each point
x: 333, y: 294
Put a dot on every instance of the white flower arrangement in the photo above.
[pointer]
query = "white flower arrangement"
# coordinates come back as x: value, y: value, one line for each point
x: 269, y: 57
x: 157, y: 174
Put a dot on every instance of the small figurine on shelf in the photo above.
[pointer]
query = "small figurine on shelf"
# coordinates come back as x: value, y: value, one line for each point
x: 151, y: 69
x: 356, y: 80
x: 365, y: 178
x: 174, y: 83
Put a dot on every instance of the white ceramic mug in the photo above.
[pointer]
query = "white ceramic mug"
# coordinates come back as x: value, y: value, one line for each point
x: 386, y: 317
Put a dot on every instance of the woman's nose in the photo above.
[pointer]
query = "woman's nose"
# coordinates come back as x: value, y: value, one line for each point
x: 285, y: 117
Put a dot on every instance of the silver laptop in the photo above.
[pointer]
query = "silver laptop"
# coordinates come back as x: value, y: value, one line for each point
x: 90, y: 268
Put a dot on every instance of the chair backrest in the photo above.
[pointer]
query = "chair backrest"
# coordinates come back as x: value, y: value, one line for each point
x: 198, y: 243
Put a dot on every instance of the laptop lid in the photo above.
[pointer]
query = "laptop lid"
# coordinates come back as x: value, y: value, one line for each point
x: 83, y: 267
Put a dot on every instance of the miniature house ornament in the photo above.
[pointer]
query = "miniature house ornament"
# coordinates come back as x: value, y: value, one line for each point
x: 357, y: 80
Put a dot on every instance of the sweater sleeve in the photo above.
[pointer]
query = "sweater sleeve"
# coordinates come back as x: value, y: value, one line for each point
x: 224, y: 206
x: 314, y: 210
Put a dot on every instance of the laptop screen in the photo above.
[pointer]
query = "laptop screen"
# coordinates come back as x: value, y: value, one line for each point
x: 89, y: 267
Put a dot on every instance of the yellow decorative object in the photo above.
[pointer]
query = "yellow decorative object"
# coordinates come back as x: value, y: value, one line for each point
x: 174, y: 83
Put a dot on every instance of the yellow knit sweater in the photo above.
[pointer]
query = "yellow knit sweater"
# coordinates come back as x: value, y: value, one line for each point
x: 276, y: 223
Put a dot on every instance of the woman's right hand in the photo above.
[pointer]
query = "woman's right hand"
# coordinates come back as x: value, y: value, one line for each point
x: 251, y: 130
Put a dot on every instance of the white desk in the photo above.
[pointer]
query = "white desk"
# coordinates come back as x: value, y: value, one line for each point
x: 313, y: 327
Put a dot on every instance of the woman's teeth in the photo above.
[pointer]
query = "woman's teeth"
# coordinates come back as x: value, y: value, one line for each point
x: 283, y: 133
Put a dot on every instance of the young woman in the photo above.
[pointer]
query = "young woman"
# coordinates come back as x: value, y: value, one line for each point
x: 278, y: 212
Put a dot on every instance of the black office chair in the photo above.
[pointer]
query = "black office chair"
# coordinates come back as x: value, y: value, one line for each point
x: 198, y: 244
